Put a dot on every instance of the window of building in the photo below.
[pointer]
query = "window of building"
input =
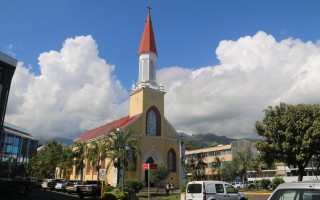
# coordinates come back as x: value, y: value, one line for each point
x: 153, y: 125
x: 171, y: 160
x: 132, y: 160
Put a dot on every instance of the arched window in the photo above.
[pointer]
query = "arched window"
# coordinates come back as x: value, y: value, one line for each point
x: 153, y: 125
x: 172, y: 160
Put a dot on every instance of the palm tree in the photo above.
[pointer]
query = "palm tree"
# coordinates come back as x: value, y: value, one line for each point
x: 80, y: 153
x: 196, y: 167
x: 122, y: 149
x: 66, y: 162
x: 98, y: 153
x: 217, y: 166
x: 243, y: 160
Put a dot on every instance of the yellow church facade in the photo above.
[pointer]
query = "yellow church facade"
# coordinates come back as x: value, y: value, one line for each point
x: 158, y: 141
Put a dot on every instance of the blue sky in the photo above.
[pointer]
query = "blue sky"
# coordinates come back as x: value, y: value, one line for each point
x: 193, y: 38
x: 187, y: 32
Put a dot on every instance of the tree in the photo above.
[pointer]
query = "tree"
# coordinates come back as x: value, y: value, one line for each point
x: 292, y: 135
x: 122, y: 150
x: 159, y: 175
x: 242, y: 160
x: 52, y: 151
x: 196, y: 167
x: 80, y: 153
x: 229, y: 172
x: 97, y: 153
x: 66, y: 162
x: 217, y: 166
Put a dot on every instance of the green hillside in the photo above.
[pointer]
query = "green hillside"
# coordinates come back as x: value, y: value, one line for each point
x: 198, y: 141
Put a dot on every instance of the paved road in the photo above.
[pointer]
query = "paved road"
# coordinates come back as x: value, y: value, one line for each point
x: 39, y: 194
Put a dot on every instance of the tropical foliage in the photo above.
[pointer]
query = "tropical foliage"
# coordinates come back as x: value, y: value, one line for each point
x: 291, y: 135
x: 159, y: 175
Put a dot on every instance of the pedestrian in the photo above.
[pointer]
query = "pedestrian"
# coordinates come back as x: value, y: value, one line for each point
x: 172, y: 187
x: 167, y: 188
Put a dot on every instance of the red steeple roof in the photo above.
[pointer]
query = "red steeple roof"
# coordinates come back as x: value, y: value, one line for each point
x: 148, y: 43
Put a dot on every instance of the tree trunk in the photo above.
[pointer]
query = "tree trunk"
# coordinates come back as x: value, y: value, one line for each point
x: 300, y: 173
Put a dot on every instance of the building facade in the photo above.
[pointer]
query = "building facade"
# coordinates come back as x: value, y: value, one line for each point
x: 17, y: 146
x: 7, y: 68
x: 209, y: 156
x: 157, y: 139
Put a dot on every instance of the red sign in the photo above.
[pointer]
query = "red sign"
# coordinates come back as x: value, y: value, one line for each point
x: 149, y: 166
x: 153, y: 166
x: 145, y: 166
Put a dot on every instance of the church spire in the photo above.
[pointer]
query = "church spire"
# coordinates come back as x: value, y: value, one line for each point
x: 148, y: 43
x: 148, y: 57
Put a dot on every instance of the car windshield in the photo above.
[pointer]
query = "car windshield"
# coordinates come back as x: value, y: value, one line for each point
x: 296, y: 194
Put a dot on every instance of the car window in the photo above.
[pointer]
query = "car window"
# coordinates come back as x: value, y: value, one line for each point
x: 296, y: 194
x: 230, y: 189
x: 194, y: 188
x: 219, y: 188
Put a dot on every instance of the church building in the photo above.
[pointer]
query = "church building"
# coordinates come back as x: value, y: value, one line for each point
x: 159, y: 142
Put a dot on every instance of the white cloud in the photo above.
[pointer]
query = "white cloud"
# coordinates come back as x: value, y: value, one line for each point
x: 74, y: 92
x: 254, y: 72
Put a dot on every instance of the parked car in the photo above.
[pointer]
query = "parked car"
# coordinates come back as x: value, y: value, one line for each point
x: 306, y: 190
x: 89, y: 188
x: 38, y: 183
x: 49, y: 184
x: 71, y: 186
x: 207, y: 190
x: 238, y: 185
x: 61, y: 185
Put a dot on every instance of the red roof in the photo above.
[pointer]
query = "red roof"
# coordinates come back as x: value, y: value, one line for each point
x: 105, y: 129
x: 148, y: 43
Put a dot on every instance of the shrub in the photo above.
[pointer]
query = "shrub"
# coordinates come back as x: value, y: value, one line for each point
x: 183, y: 187
x: 132, y: 186
x: 108, y: 188
x: 264, y: 183
x: 276, y: 181
x: 110, y: 196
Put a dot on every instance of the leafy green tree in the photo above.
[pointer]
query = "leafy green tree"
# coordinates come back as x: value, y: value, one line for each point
x: 35, y: 166
x: 52, y: 151
x: 159, y: 175
x: 292, y: 135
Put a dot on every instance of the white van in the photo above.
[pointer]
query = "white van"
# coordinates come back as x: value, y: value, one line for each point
x: 212, y: 190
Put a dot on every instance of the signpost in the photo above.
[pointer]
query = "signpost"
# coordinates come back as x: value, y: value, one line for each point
x: 102, y: 176
x: 148, y: 166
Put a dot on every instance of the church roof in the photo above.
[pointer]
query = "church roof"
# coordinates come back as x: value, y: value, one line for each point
x: 106, y: 129
x: 148, y: 43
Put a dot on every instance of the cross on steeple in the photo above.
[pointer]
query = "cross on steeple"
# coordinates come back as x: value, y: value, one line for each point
x: 149, y: 8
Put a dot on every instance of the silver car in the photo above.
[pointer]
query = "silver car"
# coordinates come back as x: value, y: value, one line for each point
x: 304, y: 190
